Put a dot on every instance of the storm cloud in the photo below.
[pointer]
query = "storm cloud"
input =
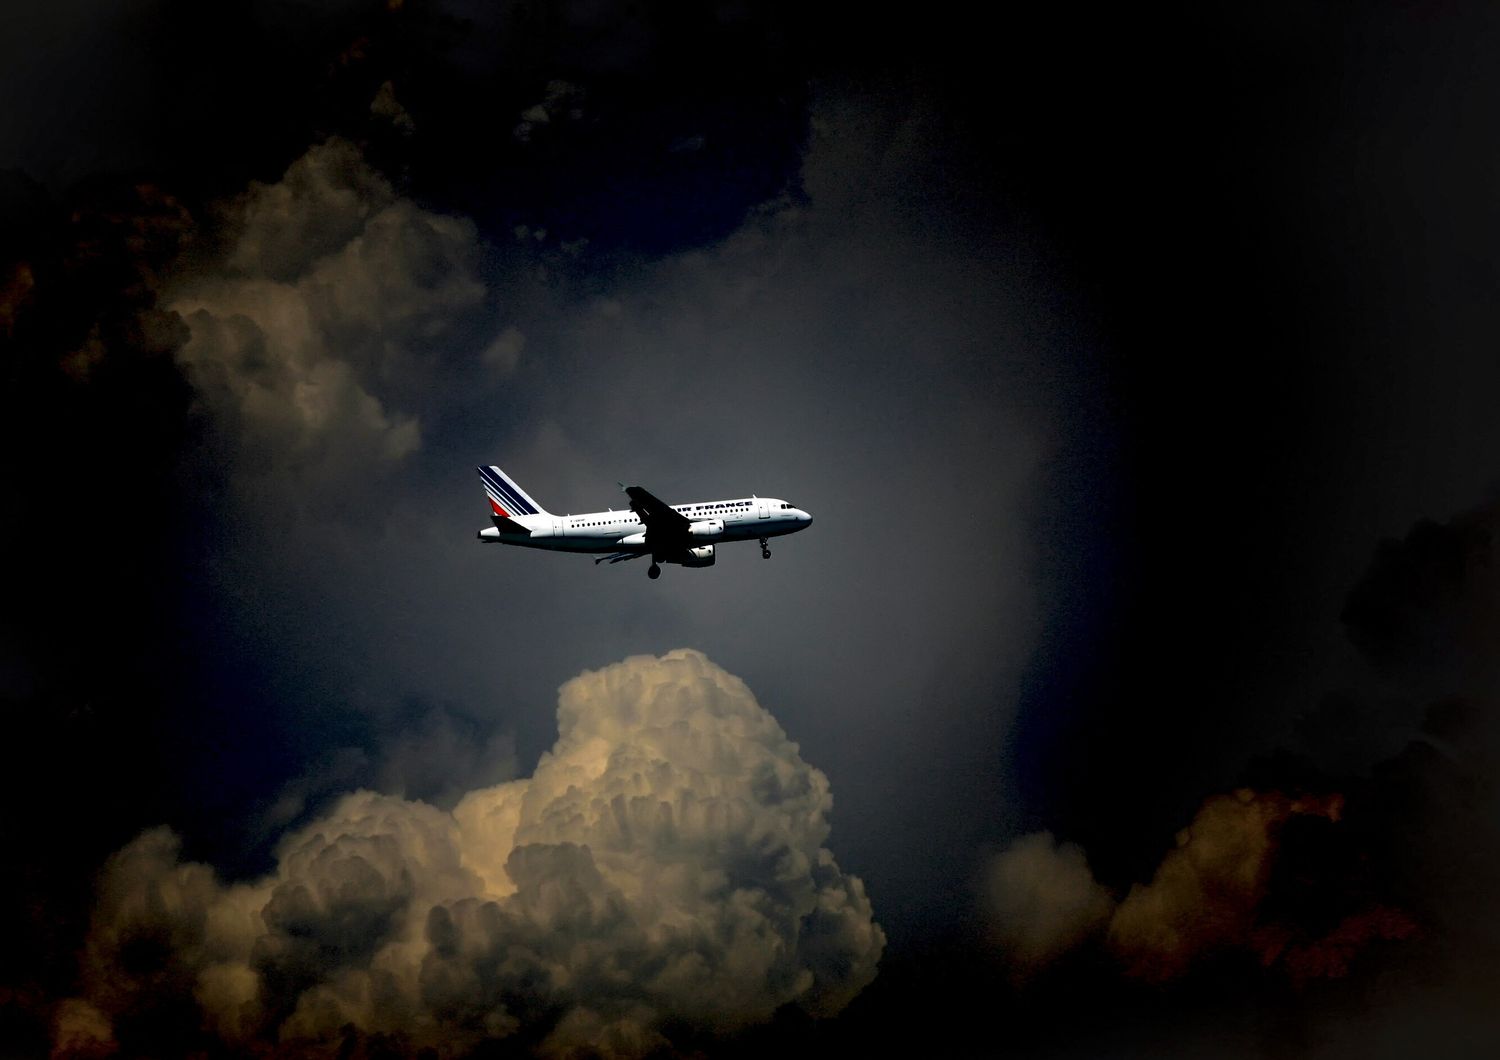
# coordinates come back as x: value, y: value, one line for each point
x: 1378, y: 871
x: 1041, y: 900
x: 1102, y: 349
x: 1206, y: 895
x: 664, y: 866
x: 333, y: 300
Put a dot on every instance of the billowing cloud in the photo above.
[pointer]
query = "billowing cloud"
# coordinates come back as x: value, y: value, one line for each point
x: 335, y: 303
x: 1231, y: 883
x: 1207, y: 891
x: 1388, y: 885
x: 664, y: 869
x: 1042, y: 900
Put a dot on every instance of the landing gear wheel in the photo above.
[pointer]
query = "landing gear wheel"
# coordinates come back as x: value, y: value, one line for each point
x: 653, y: 572
x: 765, y: 549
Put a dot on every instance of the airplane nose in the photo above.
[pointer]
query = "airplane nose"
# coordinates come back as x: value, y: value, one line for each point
x: 807, y: 518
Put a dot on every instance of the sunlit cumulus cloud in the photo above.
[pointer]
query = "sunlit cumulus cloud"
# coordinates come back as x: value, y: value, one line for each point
x: 1208, y: 895
x: 1312, y: 886
x: 1042, y: 900
x: 333, y: 302
x: 1207, y: 891
x: 663, y: 872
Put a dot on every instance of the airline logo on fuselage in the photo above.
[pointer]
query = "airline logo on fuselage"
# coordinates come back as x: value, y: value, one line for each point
x: 713, y: 507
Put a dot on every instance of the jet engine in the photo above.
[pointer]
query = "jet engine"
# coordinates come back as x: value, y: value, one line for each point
x: 706, y: 530
x: 702, y: 556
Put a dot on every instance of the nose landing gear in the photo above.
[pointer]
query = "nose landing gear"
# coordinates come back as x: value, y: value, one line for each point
x: 765, y: 549
x: 653, y: 572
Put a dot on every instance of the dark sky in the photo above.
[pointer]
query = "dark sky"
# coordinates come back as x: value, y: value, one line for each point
x: 1137, y: 679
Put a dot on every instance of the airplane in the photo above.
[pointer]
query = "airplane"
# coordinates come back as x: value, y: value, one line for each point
x: 668, y: 533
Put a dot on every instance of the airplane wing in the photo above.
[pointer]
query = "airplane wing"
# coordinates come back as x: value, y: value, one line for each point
x: 662, y: 522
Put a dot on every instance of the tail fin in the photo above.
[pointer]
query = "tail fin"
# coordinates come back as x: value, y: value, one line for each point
x: 507, y: 500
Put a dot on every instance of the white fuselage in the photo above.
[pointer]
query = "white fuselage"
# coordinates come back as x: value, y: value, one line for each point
x: 743, y: 519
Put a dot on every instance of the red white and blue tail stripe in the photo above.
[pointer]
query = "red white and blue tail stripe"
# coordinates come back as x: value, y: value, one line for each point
x: 507, y: 500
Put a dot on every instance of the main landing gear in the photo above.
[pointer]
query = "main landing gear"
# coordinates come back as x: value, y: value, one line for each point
x: 653, y: 572
x: 765, y: 549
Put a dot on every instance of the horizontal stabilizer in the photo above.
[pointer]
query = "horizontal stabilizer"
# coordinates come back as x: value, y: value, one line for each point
x: 506, y: 525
